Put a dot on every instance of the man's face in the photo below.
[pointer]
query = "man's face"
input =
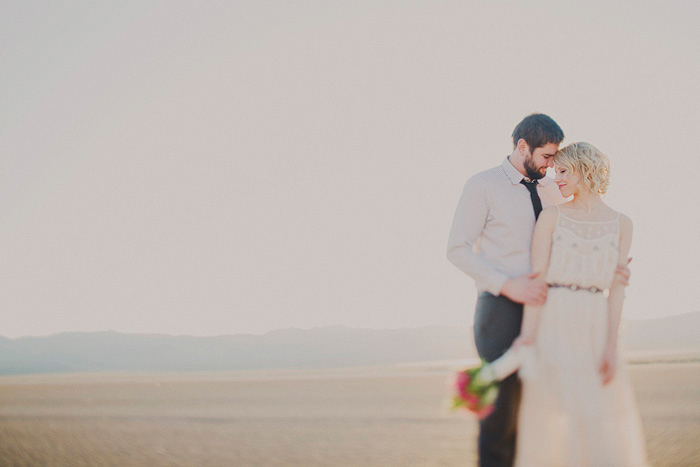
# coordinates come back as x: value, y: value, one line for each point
x: 537, y: 161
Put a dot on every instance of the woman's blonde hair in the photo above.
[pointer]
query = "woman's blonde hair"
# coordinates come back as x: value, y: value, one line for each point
x: 586, y: 160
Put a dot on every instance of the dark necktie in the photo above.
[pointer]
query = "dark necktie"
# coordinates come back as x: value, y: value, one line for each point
x: 534, y: 197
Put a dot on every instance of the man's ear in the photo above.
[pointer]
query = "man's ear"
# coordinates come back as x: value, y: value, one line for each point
x: 523, y: 148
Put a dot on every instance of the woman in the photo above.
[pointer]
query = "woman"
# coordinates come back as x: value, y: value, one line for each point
x: 577, y: 407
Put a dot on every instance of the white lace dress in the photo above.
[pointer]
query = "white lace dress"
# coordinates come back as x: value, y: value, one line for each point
x: 567, y: 417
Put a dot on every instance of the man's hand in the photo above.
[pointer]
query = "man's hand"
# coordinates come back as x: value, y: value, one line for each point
x: 622, y: 273
x: 528, y: 289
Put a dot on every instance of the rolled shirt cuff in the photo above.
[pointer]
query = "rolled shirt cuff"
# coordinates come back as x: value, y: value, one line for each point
x: 494, y: 284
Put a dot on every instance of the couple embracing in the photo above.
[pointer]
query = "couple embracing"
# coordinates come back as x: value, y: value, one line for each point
x: 551, y: 275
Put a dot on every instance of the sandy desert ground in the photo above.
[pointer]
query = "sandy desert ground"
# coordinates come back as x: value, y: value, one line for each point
x: 350, y: 417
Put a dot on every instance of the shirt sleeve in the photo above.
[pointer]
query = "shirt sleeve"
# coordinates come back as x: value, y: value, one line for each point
x: 469, y: 221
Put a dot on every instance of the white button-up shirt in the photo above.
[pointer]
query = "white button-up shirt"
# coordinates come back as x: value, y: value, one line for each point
x: 492, y: 229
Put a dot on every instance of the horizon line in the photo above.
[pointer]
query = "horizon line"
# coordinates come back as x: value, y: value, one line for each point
x: 304, y: 329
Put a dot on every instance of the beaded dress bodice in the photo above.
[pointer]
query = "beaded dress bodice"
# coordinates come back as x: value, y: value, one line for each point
x: 584, y: 253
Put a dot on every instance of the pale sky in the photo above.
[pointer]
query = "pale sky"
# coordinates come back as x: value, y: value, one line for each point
x: 231, y: 167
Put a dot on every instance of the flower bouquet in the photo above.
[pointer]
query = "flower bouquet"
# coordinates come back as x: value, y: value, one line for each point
x: 477, y: 388
x: 473, y: 393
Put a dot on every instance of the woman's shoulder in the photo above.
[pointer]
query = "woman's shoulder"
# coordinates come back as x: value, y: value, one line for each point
x: 624, y: 221
x: 548, y: 216
x: 625, y: 224
x: 550, y: 211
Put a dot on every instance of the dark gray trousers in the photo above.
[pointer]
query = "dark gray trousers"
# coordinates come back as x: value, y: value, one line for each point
x: 496, y: 324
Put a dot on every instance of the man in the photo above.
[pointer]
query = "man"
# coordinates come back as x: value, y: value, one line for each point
x: 490, y: 241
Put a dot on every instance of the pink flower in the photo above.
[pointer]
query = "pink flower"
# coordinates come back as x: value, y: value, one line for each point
x: 462, y: 383
x: 462, y: 380
x: 471, y: 400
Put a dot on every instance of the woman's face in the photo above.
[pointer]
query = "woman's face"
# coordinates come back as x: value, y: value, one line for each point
x: 566, y: 180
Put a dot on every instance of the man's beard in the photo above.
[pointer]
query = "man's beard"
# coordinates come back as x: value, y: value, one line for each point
x: 532, y: 171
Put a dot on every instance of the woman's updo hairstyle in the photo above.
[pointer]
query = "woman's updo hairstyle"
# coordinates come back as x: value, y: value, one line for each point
x: 586, y: 160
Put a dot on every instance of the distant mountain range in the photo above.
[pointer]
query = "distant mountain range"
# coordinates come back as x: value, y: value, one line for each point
x: 334, y: 346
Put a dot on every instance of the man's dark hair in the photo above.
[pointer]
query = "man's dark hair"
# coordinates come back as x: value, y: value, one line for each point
x: 537, y: 130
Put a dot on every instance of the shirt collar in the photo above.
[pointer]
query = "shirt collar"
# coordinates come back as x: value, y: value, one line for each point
x: 512, y: 172
x: 516, y: 176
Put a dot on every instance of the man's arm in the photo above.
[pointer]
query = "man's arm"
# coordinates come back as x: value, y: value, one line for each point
x: 470, y: 219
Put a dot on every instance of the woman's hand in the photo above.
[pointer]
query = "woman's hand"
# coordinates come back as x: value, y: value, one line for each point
x: 608, y: 364
x: 523, y: 339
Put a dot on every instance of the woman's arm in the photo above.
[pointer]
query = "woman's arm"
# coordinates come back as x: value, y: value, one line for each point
x: 616, y: 297
x: 539, y: 254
